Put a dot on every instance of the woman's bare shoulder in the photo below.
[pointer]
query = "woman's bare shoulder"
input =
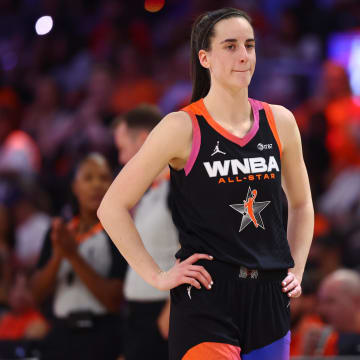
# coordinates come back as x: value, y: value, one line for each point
x: 285, y: 124
x: 282, y: 115
x: 286, y: 127
x: 178, y: 129
x: 178, y: 121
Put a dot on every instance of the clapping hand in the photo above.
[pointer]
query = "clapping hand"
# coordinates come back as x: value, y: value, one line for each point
x: 63, y: 239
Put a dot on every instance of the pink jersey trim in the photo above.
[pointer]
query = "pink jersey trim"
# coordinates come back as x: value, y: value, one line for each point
x: 196, y: 142
x: 255, y: 105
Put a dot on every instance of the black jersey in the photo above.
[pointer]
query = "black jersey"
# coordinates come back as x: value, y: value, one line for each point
x: 226, y: 202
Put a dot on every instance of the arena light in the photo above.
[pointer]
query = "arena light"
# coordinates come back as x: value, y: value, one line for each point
x: 44, y: 25
x: 154, y: 5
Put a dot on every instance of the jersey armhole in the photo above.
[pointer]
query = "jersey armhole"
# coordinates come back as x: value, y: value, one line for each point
x: 272, y: 124
x: 196, y: 142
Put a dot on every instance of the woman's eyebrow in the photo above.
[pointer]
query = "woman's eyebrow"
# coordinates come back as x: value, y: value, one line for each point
x: 235, y: 40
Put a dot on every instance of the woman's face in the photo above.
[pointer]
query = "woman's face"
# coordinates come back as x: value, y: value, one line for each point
x: 231, y: 59
x: 91, y: 182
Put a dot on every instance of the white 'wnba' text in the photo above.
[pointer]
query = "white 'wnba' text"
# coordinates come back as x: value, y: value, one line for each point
x: 248, y: 166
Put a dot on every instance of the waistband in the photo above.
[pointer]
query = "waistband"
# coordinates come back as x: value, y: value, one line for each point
x: 230, y: 271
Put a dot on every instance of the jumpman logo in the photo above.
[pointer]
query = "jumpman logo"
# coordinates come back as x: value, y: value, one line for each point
x: 217, y: 150
x: 250, y: 209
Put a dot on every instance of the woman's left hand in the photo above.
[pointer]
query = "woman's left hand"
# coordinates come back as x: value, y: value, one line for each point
x: 292, y: 285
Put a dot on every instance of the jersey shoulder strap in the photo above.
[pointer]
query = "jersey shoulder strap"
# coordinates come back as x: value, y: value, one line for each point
x: 192, y: 110
x: 271, y: 120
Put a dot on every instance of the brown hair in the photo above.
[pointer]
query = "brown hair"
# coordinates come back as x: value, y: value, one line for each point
x: 144, y: 116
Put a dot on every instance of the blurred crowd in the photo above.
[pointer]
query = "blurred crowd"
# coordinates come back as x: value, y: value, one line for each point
x: 59, y: 96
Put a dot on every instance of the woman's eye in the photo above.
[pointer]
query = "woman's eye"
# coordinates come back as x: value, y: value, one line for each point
x: 231, y: 47
x: 250, y: 46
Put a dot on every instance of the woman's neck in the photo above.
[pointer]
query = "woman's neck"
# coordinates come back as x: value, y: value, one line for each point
x: 232, y: 108
x: 86, y: 221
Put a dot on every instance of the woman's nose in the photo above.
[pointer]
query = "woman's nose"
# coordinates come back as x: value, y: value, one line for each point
x: 243, y: 55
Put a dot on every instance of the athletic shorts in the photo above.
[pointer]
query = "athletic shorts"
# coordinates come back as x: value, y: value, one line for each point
x: 244, y: 316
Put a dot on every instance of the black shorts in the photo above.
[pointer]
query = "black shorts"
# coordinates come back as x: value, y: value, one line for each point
x: 142, y: 339
x: 244, y: 316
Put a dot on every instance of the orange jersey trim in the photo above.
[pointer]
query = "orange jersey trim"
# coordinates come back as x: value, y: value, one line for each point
x: 73, y: 225
x: 194, y: 108
x: 213, y: 350
x: 241, y: 141
x: 272, y: 124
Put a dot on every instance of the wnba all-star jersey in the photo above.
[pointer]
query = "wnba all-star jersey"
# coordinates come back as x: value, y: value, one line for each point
x: 226, y: 202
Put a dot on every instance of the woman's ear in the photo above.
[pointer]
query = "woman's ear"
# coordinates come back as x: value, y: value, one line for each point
x: 204, y: 58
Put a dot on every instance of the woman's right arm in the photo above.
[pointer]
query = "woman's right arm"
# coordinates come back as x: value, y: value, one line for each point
x: 169, y: 142
x: 44, y: 279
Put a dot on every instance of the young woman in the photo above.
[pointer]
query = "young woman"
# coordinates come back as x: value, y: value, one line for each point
x: 237, y: 267
x: 82, y: 273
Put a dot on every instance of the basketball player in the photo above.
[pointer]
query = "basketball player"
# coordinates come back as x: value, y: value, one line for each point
x: 231, y: 283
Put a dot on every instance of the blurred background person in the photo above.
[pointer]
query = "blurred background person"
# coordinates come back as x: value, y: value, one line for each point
x: 147, y: 320
x: 23, y: 320
x: 22, y: 326
x: 306, y: 322
x: 82, y: 271
x: 317, y: 124
x: 339, y: 305
x: 30, y: 211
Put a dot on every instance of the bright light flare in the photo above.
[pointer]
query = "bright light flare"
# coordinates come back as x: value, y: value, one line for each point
x: 44, y: 25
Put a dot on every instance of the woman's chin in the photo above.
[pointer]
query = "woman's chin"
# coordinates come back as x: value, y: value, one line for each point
x: 239, y: 86
x: 92, y: 206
